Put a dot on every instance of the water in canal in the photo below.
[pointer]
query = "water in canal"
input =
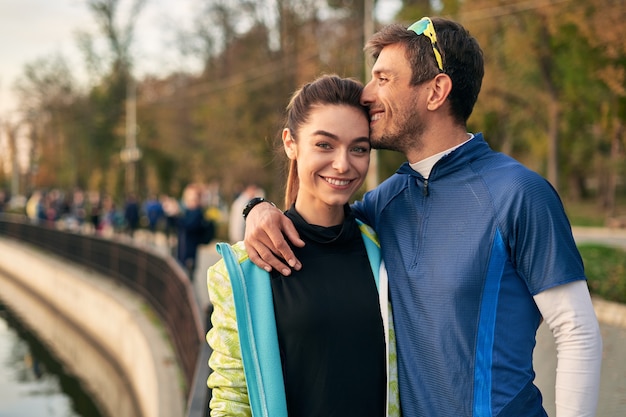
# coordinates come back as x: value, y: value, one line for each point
x: 33, y: 383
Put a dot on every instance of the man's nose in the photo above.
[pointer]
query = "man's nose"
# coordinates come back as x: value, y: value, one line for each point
x: 367, y: 96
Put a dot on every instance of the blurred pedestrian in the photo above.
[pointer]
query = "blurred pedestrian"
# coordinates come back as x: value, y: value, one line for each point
x: 154, y: 212
x: 171, y: 210
x: 236, y: 224
x: 95, y: 211
x: 190, y: 229
x: 131, y: 214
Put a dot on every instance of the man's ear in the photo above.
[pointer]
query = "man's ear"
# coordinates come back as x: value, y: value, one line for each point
x: 289, y: 144
x: 441, y: 86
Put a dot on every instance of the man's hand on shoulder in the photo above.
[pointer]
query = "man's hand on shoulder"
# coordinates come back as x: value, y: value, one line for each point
x: 266, y: 229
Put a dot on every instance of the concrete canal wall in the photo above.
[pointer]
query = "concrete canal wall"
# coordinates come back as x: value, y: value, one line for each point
x: 105, y: 334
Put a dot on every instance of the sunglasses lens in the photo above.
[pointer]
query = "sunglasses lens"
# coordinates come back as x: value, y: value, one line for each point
x: 419, y: 27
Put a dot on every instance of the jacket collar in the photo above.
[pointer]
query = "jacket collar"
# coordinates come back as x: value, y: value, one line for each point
x: 453, y: 161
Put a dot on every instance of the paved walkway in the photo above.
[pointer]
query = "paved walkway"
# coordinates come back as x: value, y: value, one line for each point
x: 611, y: 237
x: 612, y: 401
x: 612, y: 317
x: 207, y: 256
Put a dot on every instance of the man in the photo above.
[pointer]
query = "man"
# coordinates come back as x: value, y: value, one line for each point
x: 478, y: 248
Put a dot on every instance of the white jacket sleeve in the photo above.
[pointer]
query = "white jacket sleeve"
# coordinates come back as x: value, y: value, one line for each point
x: 569, y: 314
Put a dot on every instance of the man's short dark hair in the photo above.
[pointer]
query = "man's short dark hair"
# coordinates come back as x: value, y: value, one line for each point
x: 461, y: 54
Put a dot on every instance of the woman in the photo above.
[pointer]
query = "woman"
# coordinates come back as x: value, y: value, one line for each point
x: 313, y: 343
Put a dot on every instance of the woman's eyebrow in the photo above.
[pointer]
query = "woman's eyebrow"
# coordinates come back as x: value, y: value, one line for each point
x: 321, y: 132
x: 330, y: 135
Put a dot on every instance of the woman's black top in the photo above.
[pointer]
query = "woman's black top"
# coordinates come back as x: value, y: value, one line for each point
x: 330, y: 329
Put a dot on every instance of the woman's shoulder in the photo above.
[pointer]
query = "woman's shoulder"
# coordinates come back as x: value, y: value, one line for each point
x: 368, y: 232
x: 236, y: 250
x: 240, y: 251
x: 234, y: 254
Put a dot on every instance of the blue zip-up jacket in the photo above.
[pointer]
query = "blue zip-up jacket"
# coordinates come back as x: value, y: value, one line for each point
x: 466, y: 250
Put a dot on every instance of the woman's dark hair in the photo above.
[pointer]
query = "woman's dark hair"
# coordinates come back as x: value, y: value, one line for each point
x: 325, y: 90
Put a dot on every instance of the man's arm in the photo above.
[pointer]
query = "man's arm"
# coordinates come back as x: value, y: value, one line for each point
x: 569, y: 313
x: 266, y: 229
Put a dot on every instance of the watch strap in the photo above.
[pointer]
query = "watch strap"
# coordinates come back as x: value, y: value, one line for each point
x: 252, y: 203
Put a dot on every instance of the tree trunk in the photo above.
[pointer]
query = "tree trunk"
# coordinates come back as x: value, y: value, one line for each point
x: 553, y: 141
x: 613, y: 168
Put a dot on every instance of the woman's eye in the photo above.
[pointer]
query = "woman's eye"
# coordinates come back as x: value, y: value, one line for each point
x: 323, y: 145
x: 360, y: 149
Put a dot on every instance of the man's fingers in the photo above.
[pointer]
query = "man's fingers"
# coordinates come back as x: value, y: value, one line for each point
x: 276, y: 263
x: 259, y: 247
x: 260, y: 253
x: 264, y: 258
x: 291, y: 233
x: 280, y: 245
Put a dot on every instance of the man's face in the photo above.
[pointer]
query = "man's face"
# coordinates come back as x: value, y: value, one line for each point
x: 396, y: 122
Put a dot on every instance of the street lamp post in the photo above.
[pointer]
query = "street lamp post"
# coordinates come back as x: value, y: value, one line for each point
x: 131, y: 153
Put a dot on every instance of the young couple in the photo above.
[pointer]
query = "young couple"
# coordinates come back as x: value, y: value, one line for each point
x: 478, y: 248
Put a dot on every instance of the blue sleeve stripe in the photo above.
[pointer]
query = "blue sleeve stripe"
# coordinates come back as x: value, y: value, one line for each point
x: 486, y: 329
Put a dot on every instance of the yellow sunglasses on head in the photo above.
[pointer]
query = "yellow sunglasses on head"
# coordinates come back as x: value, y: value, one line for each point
x: 425, y: 27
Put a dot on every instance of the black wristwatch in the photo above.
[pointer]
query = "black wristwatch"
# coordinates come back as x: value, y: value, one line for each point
x: 252, y: 203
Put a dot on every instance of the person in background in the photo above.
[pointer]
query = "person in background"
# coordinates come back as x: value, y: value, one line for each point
x: 95, y: 211
x: 32, y: 206
x: 131, y: 214
x: 111, y: 218
x: 236, y: 224
x: 78, y: 208
x: 312, y: 344
x: 171, y: 210
x: 479, y: 248
x: 154, y: 212
x: 190, y: 229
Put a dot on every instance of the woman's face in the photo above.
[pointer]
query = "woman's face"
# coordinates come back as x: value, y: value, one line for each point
x: 332, y: 151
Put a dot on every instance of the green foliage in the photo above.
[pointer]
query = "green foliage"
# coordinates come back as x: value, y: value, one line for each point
x: 389, y: 162
x: 414, y: 9
x: 605, y: 268
x: 222, y: 123
x: 590, y: 213
x: 554, y: 56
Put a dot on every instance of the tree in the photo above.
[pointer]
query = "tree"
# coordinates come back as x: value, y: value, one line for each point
x: 11, y: 130
x: 46, y: 92
x: 601, y: 23
x: 543, y: 83
x: 108, y: 95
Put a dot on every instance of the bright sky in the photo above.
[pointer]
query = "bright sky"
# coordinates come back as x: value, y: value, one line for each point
x: 35, y: 29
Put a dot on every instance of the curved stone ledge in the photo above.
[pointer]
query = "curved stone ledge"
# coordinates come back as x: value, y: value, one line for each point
x: 609, y: 312
x: 116, y: 322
